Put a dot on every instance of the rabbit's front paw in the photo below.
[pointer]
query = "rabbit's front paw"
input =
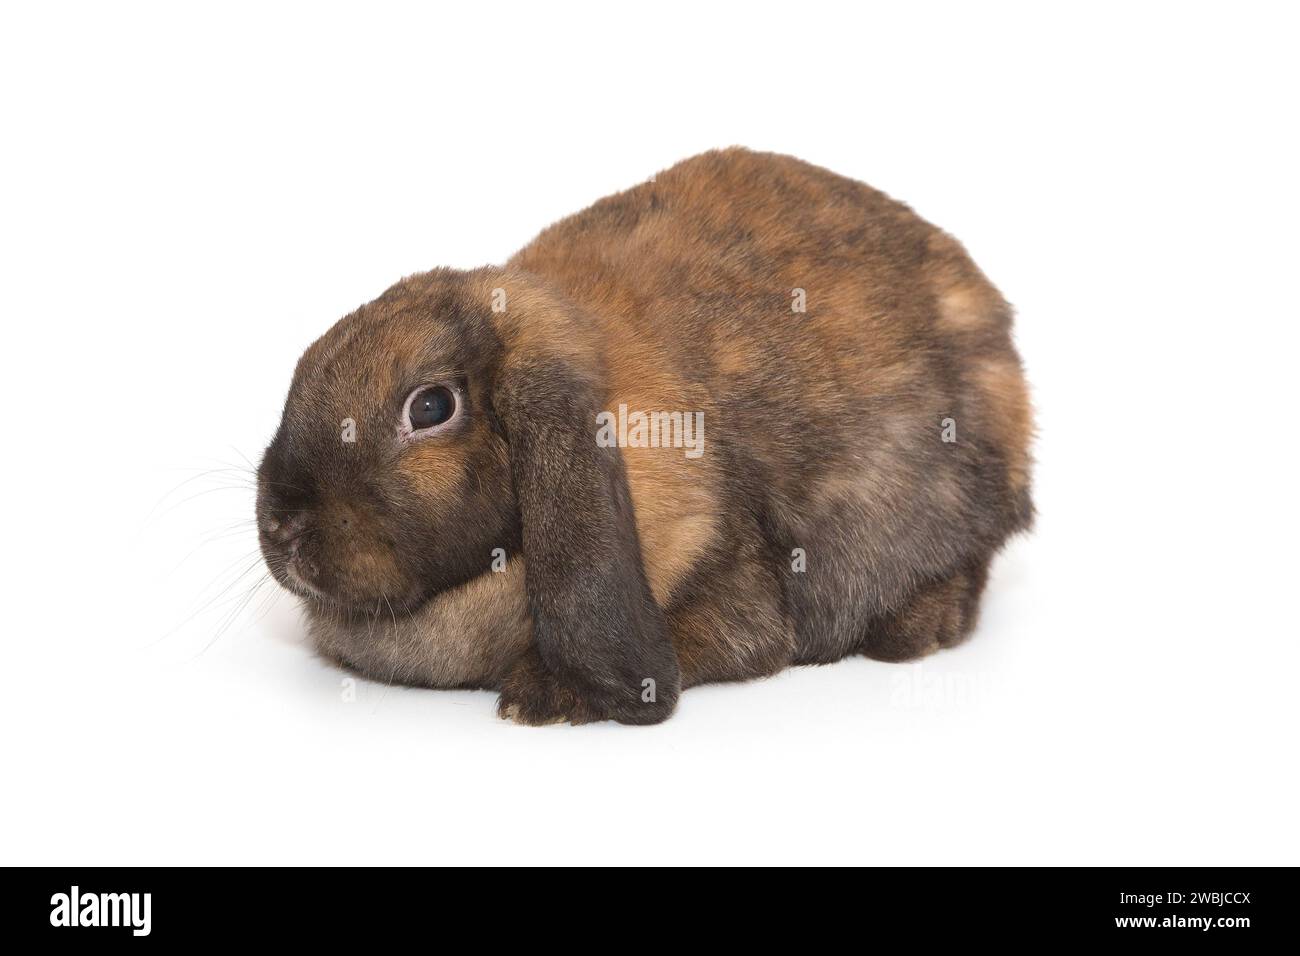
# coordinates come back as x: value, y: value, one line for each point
x: 532, y: 694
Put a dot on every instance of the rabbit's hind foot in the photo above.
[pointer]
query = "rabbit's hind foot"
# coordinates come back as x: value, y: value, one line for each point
x: 939, y: 614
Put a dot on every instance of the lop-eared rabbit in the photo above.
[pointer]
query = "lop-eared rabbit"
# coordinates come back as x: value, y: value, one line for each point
x: 745, y: 415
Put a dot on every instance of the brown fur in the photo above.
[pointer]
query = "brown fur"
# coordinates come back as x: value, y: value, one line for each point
x: 822, y: 433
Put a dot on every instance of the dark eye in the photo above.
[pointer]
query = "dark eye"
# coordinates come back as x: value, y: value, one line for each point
x: 430, y: 406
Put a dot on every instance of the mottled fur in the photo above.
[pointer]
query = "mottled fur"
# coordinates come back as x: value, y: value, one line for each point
x: 824, y: 438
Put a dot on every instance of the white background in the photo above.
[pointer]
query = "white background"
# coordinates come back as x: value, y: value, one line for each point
x: 191, y: 196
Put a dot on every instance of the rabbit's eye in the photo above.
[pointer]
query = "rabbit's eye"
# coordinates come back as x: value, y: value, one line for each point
x: 430, y: 406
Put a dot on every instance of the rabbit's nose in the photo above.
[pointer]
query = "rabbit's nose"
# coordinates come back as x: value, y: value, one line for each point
x: 283, y: 530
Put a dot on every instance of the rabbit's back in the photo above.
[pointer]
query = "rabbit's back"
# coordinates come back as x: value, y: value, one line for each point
x: 806, y: 306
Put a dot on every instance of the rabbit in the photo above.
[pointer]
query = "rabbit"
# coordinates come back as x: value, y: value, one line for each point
x: 468, y: 487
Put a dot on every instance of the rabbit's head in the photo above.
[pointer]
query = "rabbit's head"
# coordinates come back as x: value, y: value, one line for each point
x: 389, y: 478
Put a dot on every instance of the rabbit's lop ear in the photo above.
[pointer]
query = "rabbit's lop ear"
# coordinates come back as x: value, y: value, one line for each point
x: 601, y: 645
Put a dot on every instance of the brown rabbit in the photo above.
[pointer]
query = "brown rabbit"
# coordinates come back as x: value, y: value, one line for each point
x: 746, y: 415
